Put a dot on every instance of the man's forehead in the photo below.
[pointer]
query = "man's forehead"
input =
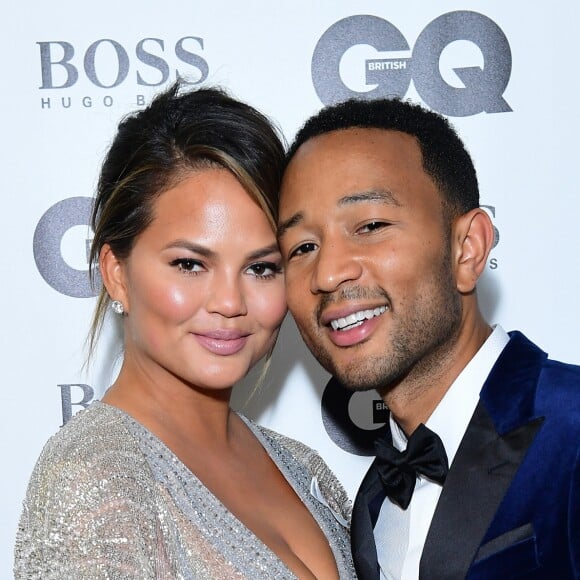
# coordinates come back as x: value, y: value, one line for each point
x: 352, y: 136
x: 358, y: 159
x: 350, y: 167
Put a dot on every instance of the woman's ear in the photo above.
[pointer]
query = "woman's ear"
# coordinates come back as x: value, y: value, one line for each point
x: 473, y: 238
x: 114, y: 276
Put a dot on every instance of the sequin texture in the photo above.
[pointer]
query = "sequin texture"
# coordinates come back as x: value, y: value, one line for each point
x: 107, y: 499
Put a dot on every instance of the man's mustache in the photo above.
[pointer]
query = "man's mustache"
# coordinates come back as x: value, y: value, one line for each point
x: 350, y: 293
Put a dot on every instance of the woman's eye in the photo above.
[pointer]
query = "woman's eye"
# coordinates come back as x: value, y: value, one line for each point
x: 187, y: 265
x: 265, y: 269
x: 303, y: 249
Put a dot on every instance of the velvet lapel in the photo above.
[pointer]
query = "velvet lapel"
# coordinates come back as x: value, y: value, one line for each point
x: 493, y: 447
x: 364, y: 550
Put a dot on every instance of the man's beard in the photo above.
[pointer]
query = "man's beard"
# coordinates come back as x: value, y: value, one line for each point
x: 417, y: 343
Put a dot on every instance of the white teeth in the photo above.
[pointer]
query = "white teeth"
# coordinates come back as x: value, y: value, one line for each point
x: 356, y: 318
x: 351, y: 319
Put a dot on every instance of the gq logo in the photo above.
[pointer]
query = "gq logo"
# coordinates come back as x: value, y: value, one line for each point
x: 61, y: 247
x: 353, y: 420
x: 483, y: 85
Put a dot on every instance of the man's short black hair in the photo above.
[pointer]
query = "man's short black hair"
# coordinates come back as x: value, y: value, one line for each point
x: 445, y: 158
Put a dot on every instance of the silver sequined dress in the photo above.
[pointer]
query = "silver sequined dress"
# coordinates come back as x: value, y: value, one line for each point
x: 107, y: 499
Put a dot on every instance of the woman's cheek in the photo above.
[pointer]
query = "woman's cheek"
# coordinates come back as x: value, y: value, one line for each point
x: 175, y: 301
x: 272, y: 306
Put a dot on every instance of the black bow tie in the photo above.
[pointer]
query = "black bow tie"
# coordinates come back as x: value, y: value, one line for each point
x: 398, y: 470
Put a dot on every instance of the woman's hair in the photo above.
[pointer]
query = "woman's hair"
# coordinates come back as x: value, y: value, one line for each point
x: 155, y: 148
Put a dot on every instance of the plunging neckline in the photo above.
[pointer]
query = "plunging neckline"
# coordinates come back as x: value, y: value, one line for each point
x: 183, y: 489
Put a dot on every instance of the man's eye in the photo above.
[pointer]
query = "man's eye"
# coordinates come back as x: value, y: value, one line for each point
x: 303, y: 249
x: 372, y: 226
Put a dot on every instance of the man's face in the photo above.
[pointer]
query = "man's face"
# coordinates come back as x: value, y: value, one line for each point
x: 367, y: 253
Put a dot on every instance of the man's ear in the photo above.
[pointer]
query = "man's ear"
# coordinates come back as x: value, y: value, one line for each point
x: 113, y: 275
x: 473, y: 238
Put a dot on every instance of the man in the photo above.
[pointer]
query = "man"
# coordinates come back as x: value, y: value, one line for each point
x: 383, y: 242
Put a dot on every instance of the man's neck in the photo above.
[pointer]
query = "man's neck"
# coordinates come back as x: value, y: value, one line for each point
x: 413, y: 399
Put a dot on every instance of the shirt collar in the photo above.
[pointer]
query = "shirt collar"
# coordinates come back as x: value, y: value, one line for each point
x: 453, y: 413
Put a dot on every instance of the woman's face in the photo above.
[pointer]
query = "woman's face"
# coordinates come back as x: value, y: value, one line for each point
x: 203, y: 288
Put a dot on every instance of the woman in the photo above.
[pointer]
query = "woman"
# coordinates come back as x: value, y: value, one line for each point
x: 161, y: 479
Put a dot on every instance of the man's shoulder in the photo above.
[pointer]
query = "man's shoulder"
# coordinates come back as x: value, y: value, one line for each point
x: 527, y: 383
x: 521, y: 344
x: 558, y: 390
x: 566, y: 370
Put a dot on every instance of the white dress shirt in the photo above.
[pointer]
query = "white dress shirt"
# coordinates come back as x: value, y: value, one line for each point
x: 400, y: 534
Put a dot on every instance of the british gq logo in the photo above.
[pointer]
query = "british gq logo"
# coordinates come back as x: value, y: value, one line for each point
x: 490, y: 209
x: 375, y: 45
x: 61, y: 247
x: 107, y: 64
x: 352, y: 419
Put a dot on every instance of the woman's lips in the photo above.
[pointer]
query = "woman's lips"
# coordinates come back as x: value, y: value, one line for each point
x: 222, y: 342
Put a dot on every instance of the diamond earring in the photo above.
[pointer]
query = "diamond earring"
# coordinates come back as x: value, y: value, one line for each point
x: 117, y: 307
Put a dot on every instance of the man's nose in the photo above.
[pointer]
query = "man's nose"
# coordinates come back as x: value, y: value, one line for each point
x: 335, y: 264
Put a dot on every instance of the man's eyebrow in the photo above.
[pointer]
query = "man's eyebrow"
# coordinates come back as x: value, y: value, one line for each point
x: 384, y: 196
x: 289, y: 223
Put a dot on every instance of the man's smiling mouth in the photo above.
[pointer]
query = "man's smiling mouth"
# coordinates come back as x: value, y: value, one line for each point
x: 356, y: 318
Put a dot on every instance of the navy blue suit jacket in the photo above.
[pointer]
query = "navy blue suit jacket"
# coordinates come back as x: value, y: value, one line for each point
x: 510, y: 507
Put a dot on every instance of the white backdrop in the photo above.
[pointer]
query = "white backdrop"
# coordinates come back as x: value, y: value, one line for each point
x: 506, y: 75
